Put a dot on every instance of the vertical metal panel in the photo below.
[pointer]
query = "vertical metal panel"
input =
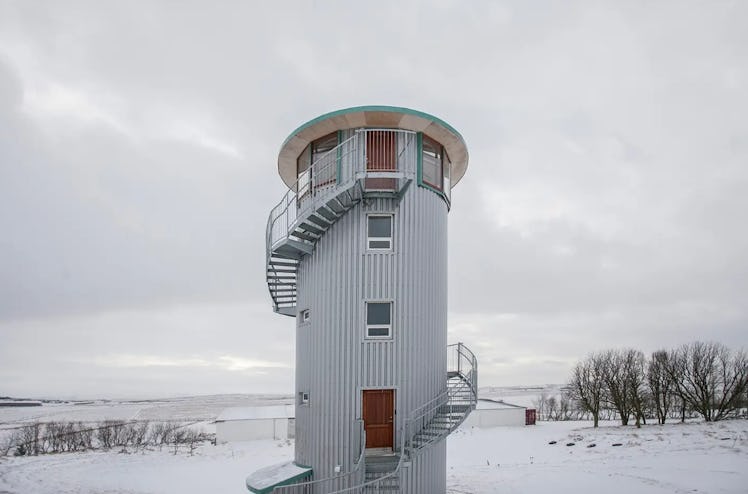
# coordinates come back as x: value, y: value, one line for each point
x: 334, y: 359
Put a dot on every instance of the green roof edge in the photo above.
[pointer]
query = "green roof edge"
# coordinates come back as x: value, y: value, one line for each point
x: 269, y: 489
x: 384, y: 108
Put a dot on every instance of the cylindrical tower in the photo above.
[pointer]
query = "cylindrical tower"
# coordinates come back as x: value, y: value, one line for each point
x: 357, y: 253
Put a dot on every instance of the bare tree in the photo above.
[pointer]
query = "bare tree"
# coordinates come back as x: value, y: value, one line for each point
x: 616, y: 394
x: 564, y: 407
x: 661, y: 384
x: 551, y: 407
x: 713, y: 378
x: 586, y: 385
x: 633, y: 374
x: 540, y: 405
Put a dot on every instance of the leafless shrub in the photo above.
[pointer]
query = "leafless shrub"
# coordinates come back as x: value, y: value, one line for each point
x: 178, y: 437
x: 161, y: 433
x: 8, y: 442
x: 30, y: 439
x: 193, y: 438
x: 106, y: 434
x: 85, y: 436
x: 139, y: 436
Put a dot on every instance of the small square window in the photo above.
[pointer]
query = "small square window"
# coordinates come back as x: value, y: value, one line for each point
x: 306, y: 315
x: 303, y: 398
x: 378, y: 319
x: 379, y: 232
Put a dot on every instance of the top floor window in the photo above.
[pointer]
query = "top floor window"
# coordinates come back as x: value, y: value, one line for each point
x: 323, y: 161
x: 316, y: 165
x: 432, y: 170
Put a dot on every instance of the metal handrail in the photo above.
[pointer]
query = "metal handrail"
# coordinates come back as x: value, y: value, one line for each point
x: 285, y: 213
x: 301, y: 486
x: 283, y: 216
x: 466, y: 365
x: 467, y: 368
x: 332, y: 174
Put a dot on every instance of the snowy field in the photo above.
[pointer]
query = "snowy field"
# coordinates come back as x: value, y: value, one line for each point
x: 676, y: 458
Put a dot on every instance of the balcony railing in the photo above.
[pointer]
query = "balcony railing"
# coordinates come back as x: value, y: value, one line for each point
x: 377, y: 159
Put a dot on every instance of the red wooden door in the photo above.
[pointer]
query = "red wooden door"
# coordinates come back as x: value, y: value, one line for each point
x: 379, y: 412
x: 381, y: 156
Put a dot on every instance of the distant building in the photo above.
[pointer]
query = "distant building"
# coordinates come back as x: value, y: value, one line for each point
x: 492, y: 413
x: 357, y: 253
x: 250, y: 423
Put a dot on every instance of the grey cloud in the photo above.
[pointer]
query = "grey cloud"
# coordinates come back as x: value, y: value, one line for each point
x: 603, y: 205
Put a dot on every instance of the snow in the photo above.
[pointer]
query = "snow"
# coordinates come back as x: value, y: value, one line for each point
x: 693, y: 457
x: 218, y: 469
x: 254, y: 413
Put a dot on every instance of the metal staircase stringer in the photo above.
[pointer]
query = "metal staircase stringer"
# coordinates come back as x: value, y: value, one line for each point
x: 284, y: 257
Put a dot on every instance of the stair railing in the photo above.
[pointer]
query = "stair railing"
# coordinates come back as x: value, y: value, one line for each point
x: 293, y: 204
x: 329, y: 484
x: 461, y: 359
x: 341, y: 165
x: 336, y: 171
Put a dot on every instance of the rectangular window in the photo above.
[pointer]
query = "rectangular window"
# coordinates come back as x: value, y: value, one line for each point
x: 447, y: 171
x: 432, y: 169
x: 303, y: 171
x: 306, y: 315
x: 303, y: 398
x: 378, y: 319
x: 379, y: 232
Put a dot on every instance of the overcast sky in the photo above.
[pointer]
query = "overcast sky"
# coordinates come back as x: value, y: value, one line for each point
x: 604, y: 205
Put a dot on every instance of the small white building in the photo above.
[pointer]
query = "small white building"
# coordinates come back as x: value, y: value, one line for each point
x: 491, y: 413
x: 251, y: 423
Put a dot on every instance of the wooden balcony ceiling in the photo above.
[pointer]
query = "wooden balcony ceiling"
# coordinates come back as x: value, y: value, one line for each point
x: 390, y: 117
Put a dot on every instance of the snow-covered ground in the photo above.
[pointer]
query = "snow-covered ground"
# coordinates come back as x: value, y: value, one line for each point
x: 675, y: 458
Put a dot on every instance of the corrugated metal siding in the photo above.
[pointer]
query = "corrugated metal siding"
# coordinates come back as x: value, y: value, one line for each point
x: 335, y: 361
x: 427, y: 473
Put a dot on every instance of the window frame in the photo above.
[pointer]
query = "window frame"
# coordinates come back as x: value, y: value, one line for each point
x: 305, y: 315
x: 439, y: 151
x: 368, y: 326
x: 390, y: 239
x: 304, y: 398
x: 329, y: 176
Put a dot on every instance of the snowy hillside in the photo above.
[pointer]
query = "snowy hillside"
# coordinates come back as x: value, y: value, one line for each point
x: 693, y: 457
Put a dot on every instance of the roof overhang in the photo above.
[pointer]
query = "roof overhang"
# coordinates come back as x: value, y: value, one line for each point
x: 373, y: 117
